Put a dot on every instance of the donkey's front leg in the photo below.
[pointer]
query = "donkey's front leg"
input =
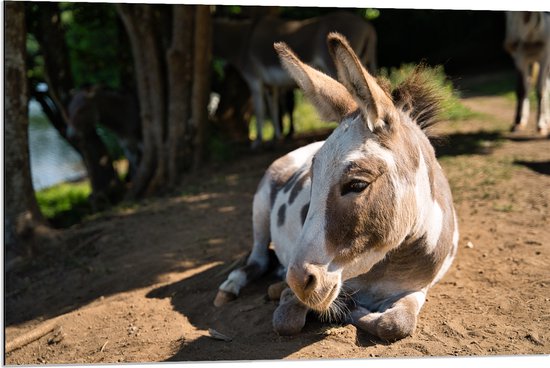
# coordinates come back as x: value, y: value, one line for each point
x: 256, y: 89
x: 258, y: 261
x: 290, y: 316
x: 543, y: 97
x: 394, y: 323
x: 273, y: 96
x: 522, y: 95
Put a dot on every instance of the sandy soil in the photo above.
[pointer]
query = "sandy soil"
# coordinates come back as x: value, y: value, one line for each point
x: 137, y: 284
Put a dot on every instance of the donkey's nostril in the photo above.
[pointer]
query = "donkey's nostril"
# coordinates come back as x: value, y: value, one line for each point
x: 303, y: 280
x: 310, y: 283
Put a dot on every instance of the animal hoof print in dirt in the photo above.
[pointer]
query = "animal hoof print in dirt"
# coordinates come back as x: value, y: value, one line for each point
x: 223, y: 297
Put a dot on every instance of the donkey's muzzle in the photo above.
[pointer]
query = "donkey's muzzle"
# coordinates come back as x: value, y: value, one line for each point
x: 313, y: 285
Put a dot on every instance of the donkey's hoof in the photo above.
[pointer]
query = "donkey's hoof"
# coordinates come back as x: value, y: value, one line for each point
x: 274, y: 291
x: 518, y: 128
x: 289, y: 320
x: 223, y: 297
x: 543, y: 132
x: 290, y: 316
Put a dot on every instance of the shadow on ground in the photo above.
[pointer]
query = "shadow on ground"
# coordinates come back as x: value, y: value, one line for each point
x: 246, y: 320
x: 467, y: 143
x: 134, y: 247
x: 542, y: 167
x: 497, y: 83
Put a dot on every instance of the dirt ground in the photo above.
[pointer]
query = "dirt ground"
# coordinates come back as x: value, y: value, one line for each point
x: 137, y: 284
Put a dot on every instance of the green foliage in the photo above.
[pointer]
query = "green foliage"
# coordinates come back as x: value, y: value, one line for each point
x: 371, y: 14
x: 94, y: 41
x: 306, y: 118
x: 234, y: 9
x: 65, y: 204
x: 35, y: 59
x: 453, y: 109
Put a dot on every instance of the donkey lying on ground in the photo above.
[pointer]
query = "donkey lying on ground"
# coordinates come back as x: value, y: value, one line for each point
x: 247, y: 45
x: 363, y: 223
x: 528, y: 41
x: 114, y: 110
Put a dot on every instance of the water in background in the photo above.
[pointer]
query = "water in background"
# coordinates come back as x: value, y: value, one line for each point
x: 53, y: 160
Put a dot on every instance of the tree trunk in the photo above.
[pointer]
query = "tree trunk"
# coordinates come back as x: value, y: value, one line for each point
x: 139, y: 22
x: 201, y: 82
x: 180, y: 69
x: 173, y: 85
x: 51, y: 37
x: 22, y: 214
x: 173, y: 101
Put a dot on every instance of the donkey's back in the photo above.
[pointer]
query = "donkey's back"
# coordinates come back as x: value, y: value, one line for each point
x: 308, y: 39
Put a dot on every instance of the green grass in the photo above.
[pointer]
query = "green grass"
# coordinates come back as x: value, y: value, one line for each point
x: 305, y: 120
x: 65, y: 204
x: 503, y: 85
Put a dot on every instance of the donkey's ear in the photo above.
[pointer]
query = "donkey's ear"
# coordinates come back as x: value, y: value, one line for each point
x: 331, y: 98
x: 375, y: 104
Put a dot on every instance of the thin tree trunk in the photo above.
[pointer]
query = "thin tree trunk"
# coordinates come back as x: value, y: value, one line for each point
x: 138, y: 20
x: 51, y: 37
x: 201, y: 81
x: 22, y: 214
x: 180, y: 68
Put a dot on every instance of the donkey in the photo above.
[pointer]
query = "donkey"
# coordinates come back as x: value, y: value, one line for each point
x: 247, y: 45
x: 115, y: 110
x: 363, y: 224
x: 528, y: 42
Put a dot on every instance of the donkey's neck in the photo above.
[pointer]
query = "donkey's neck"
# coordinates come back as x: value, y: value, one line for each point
x: 429, y: 215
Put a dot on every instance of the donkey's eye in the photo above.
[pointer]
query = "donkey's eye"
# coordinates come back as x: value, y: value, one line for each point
x: 354, y: 186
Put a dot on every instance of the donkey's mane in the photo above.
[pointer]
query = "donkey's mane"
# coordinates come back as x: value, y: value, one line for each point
x: 419, y: 97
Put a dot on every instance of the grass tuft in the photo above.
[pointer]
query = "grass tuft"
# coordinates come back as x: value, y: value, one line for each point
x: 65, y: 204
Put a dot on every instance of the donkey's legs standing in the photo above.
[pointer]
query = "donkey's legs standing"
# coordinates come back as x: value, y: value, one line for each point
x: 257, y: 89
x: 543, y: 97
x: 394, y: 323
x: 258, y: 261
x: 522, y: 94
x: 273, y: 97
x: 287, y: 105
